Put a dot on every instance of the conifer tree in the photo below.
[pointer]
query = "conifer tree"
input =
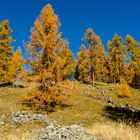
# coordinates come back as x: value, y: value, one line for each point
x: 83, y: 65
x: 116, y: 58
x: 64, y: 64
x: 68, y: 61
x: 15, y: 67
x: 134, y: 65
x: 45, y: 42
x: 5, y: 49
x: 124, y: 88
x: 97, y: 55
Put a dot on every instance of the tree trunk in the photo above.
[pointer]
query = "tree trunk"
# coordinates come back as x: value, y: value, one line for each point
x: 93, y: 80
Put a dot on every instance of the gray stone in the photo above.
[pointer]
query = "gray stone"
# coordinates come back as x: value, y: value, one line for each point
x: 2, y: 123
x: 53, y: 131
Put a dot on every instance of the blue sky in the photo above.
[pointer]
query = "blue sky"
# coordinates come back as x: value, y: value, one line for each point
x: 106, y: 17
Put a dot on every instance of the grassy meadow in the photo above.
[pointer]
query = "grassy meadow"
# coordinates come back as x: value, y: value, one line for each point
x: 79, y: 108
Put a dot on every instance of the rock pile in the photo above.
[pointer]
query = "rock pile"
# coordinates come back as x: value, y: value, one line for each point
x: 73, y: 132
x: 52, y: 131
x: 21, y: 117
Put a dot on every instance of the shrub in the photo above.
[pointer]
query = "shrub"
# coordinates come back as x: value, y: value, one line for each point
x: 124, y: 89
x: 47, y: 100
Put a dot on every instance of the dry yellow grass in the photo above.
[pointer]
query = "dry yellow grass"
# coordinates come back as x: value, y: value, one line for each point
x: 79, y: 108
x: 19, y: 137
x: 114, y: 132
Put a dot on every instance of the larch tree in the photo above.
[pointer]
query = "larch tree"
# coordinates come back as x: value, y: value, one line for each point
x: 116, y: 58
x: 5, y: 49
x: 96, y: 55
x: 68, y: 61
x: 124, y: 89
x: 45, y: 42
x: 64, y: 64
x: 83, y: 65
x: 15, y: 67
x: 134, y: 65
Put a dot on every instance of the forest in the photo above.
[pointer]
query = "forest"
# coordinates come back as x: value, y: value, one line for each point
x: 57, y: 72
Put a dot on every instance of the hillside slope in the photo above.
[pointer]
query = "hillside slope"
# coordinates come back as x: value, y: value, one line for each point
x: 85, y: 105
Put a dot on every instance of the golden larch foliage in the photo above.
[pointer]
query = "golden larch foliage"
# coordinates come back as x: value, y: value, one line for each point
x: 83, y: 65
x: 124, y: 88
x: 45, y: 44
x: 116, y: 58
x: 15, y: 67
x: 134, y: 58
x: 64, y: 64
x: 96, y: 55
x: 5, y: 49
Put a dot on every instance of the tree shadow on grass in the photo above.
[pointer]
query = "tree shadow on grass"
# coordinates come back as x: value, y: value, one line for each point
x: 38, y: 109
x: 122, y: 114
x: 135, y: 86
x: 10, y: 85
x: 65, y: 106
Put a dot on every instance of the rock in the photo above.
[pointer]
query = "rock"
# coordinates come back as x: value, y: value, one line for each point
x: 111, y: 89
x: 2, y: 123
x: 73, y: 132
x: 103, y: 93
x: 97, y: 87
x: 21, y: 117
x: 110, y: 100
x: 18, y: 129
x: 53, y: 131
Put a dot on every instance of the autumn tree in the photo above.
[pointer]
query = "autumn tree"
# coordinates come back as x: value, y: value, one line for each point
x: 5, y: 49
x: 116, y: 58
x: 96, y: 55
x: 124, y: 88
x: 64, y: 64
x: 68, y: 61
x: 134, y: 64
x: 15, y: 67
x: 83, y: 65
x: 65, y: 61
x: 45, y: 42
